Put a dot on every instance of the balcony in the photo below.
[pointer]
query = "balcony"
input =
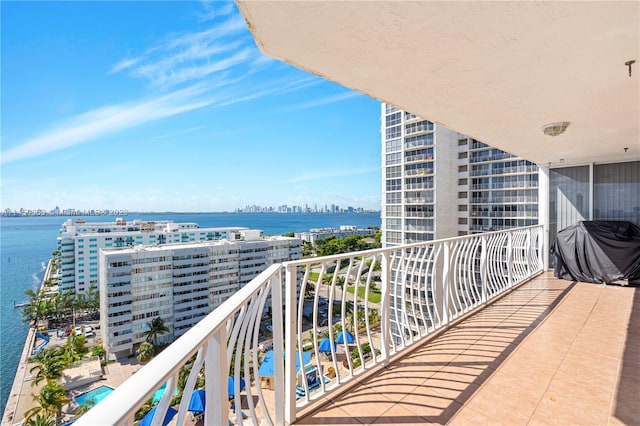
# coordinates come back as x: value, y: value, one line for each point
x: 421, y: 290
x: 551, y: 352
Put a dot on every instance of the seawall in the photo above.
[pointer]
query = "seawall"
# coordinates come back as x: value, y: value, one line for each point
x: 20, y: 398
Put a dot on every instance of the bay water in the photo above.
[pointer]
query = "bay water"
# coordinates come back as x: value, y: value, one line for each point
x: 27, y: 243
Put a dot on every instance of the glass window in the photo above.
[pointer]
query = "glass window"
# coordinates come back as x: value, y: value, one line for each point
x: 394, y: 184
x: 393, y: 145
x: 393, y: 132
x: 394, y: 198
x: 616, y: 192
x: 390, y: 108
x: 568, y: 197
x: 393, y: 119
x: 394, y: 210
x: 394, y: 171
x: 394, y: 158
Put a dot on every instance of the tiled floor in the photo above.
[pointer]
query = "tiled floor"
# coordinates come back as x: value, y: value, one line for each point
x: 551, y: 352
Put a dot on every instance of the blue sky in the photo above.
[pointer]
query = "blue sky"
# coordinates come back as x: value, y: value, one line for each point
x: 157, y: 106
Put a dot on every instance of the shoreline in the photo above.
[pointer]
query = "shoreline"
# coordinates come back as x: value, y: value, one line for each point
x: 16, y: 396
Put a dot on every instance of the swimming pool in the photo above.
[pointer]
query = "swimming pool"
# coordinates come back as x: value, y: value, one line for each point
x: 97, y: 395
x: 158, y: 394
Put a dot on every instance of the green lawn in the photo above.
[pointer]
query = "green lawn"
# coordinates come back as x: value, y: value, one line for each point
x: 374, y: 293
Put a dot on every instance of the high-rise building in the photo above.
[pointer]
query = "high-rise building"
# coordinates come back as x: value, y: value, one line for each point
x: 80, y: 242
x: 180, y: 283
x: 438, y: 183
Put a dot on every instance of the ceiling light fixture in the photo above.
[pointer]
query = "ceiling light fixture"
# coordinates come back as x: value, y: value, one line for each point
x: 554, y: 129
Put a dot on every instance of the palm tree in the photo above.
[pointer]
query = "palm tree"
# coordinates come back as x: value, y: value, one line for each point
x: 98, y: 351
x: 50, y: 365
x: 145, y: 352
x: 41, y: 420
x: 76, y: 347
x: 31, y: 312
x: 50, y: 400
x: 93, y: 298
x: 88, y: 405
x: 156, y: 328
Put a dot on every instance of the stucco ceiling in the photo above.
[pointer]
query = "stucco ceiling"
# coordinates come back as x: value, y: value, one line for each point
x: 496, y: 71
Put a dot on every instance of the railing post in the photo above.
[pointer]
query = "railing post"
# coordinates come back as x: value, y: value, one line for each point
x: 215, y: 372
x: 446, y: 282
x: 279, y: 360
x: 510, y: 259
x: 385, y: 288
x: 290, y: 306
x: 528, y: 252
x: 541, y: 248
x: 483, y: 268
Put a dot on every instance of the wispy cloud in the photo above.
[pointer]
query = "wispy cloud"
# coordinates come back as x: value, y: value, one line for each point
x: 214, y: 68
x: 124, y: 64
x: 191, y: 56
x: 324, y: 101
x: 111, y: 119
x: 180, y: 132
x: 271, y: 89
x: 329, y: 174
x: 215, y: 9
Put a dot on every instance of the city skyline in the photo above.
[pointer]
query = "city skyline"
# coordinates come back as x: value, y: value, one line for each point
x: 181, y: 114
x: 284, y: 208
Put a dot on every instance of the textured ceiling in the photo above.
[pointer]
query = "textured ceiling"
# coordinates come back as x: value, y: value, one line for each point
x: 496, y: 71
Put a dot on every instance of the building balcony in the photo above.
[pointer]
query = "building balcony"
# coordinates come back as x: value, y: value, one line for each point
x: 498, y: 342
x: 550, y: 352
x: 461, y: 275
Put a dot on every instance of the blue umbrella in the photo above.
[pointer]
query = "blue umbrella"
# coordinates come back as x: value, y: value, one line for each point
x: 341, y: 336
x: 197, y: 402
x: 325, y: 345
x: 267, y: 368
x: 231, y: 387
x: 146, y: 420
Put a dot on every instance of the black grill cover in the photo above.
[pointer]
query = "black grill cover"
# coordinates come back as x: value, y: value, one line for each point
x: 598, y: 252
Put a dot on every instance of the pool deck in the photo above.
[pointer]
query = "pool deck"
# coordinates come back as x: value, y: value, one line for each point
x: 22, y: 391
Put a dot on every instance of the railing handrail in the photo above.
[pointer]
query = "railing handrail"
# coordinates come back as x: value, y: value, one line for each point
x: 160, y: 368
x: 333, y: 257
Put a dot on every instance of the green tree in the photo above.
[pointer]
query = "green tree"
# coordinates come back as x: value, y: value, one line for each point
x: 146, y: 407
x: 155, y: 328
x: 88, y: 405
x: 98, y: 351
x: 50, y: 365
x: 43, y: 419
x: 93, y: 298
x: 32, y: 312
x: 76, y: 347
x: 289, y: 234
x: 50, y: 400
x: 145, y: 352
x: 307, y: 249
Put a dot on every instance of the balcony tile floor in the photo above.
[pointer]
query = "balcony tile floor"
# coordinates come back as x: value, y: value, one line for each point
x: 551, y: 352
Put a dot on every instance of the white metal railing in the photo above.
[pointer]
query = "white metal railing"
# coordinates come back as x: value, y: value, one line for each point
x: 384, y: 301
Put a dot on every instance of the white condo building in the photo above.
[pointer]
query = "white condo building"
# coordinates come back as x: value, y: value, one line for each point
x: 180, y: 283
x: 80, y: 242
x: 344, y: 231
x: 438, y: 183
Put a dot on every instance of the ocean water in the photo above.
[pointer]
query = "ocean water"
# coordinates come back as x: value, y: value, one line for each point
x: 26, y: 244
